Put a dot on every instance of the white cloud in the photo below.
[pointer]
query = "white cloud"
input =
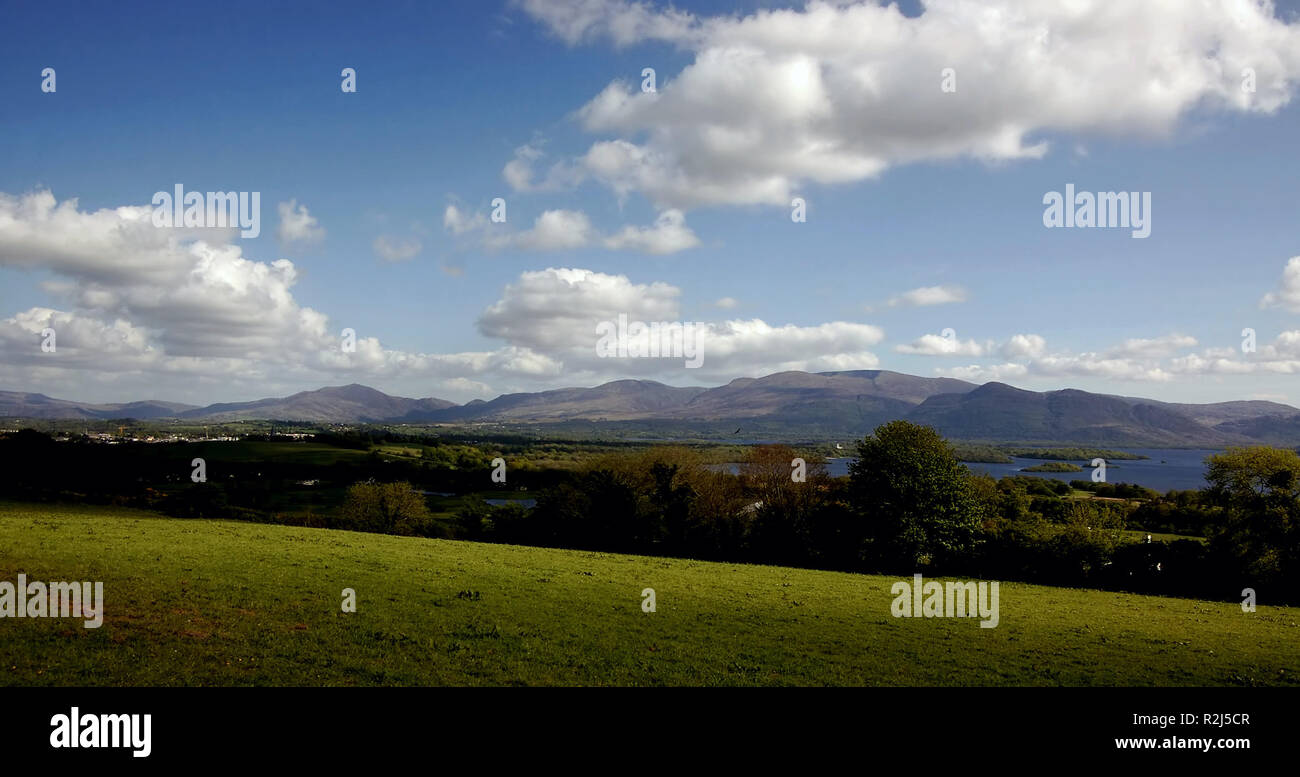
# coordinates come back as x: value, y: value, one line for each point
x: 558, y: 308
x: 1093, y: 365
x: 839, y: 92
x: 929, y: 295
x: 556, y: 312
x: 297, y: 225
x: 1286, y: 346
x: 938, y: 345
x: 79, y: 341
x: 1280, y: 357
x: 554, y: 230
x: 155, y: 308
x: 668, y: 236
x: 1022, y: 346
x: 725, y: 303
x: 1287, y: 294
x: 980, y: 373
x: 1137, y: 359
x: 196, y: 298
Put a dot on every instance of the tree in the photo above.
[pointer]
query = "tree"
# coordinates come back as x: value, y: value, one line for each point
x: 1259, y: 527
x: 786, y: 510
x: 915, y: 497
x: 385, y: 507
x: 671, y: 506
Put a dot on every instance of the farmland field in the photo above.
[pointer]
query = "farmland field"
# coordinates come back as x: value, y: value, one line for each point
x: 200, y: 602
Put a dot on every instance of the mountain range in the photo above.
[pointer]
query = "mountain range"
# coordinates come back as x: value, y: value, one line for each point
x: 824, y: 404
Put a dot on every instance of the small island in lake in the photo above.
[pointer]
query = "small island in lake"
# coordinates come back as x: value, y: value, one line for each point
x: 1054, y: 466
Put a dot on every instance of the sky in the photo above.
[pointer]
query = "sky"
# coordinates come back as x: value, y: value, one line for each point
x: 829, y: 186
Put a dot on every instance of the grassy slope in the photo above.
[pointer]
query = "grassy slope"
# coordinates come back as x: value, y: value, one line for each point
x: 205, y: 602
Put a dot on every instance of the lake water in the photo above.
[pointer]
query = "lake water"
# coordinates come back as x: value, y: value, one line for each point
x: 1165, y: 470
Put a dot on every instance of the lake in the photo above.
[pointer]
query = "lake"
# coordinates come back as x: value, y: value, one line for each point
x: 1167, y: 469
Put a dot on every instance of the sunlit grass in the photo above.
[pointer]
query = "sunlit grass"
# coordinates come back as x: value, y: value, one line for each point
x: 227, y: 603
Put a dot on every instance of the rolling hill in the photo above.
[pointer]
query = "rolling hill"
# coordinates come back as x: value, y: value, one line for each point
x: 222, y: 603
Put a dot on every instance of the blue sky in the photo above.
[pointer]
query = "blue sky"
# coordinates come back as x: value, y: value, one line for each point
x: 904, y: 192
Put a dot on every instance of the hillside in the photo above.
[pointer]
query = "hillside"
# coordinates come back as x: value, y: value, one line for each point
x: 223, y: 603
x: 863, y: 397
x: 616, y: 401
x: 996, y: 411
x: 335, y: 404
x: 16, y: 404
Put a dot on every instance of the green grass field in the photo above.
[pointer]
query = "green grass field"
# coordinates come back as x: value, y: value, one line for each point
x: 224, y: 603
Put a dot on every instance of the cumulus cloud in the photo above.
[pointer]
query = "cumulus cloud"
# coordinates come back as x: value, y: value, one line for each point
x: 929, y: 295
x: 201, y: 299
x: 297, y: 225
x: 1023, y: 346
x: 556, y: 311
x: 1287, y: 295
x: 839, y: 92
x: 558, y: 308
x: 554, y: 230
x: 156, y: 305
x: 725, y: 303
x: 668, y: 236
x: 79, y: 341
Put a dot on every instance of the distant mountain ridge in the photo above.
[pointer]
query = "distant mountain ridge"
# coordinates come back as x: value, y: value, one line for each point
x: 17, y: 404
x: 353, y: 403
x: 850, y: 403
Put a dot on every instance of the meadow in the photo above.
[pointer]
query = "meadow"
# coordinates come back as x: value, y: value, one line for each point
x: 203, y: 602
